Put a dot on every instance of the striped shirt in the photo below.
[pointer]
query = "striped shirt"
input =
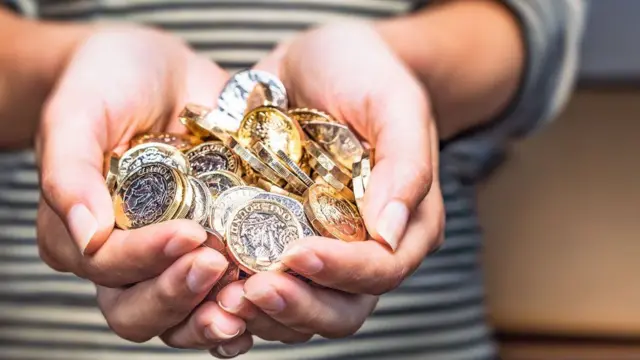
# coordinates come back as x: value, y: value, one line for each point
x: 437, y: 313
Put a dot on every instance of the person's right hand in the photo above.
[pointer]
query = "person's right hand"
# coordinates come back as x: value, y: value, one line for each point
x: 120, y: 82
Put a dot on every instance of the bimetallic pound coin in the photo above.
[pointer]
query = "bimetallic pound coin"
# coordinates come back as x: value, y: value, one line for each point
x: 269, y: 187
x: 232, y: 102
x: 271, y: 159
x: 228, y: 201
x: 255, y: 163
x: 212, y: 156
x: 297, y: 171
x: 151, y: 153
x: 320, y: 159
x: 260, y: 96
x: 150, y: 194
x: 305, y: 115
x: 202, y: 202
x: 273, y: 128
x: 336, y: 139
x: 296, y: 208
x: 219, y: 181
x: 332, y: 215
x: 181, y: 142
x: 202, y: 121
x: 361, y: 172
x: 187, y: 198
x: 258, y: 232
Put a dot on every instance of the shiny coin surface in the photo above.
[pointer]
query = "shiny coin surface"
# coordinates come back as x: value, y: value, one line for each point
x: 255, y: 163
x: 260, y: 96
x: 181, y: 142
x: 212, y: 156
x: 202, y: 122
x: 322, y: 162
x: 187, y: 198
x: 150, y: 153
x: 332, y: 215
x: 297, y: 170
x: 305, y: 115
x: 269, y: 187
x: 202, y: 202
x: 273, y: 128
x: 219, y: 181
x: 336, y: 139
x: 296, y: 208
x: 232, y: 102
x: 271, y: 159
x: 258, y: 232
x: 228, y: 201
x: 150, y: 194
x: 361, y: 172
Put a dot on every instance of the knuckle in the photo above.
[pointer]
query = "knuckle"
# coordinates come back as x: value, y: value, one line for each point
x: 122, y: 327
x: 397, y: 273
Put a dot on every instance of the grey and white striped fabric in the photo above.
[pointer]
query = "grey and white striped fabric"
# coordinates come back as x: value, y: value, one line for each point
x: 438, y: 313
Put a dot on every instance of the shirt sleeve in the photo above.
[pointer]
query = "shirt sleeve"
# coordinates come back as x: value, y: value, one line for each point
x: 552, y: 33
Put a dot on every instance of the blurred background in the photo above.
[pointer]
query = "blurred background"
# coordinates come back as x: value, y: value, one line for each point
x: 561, y: 217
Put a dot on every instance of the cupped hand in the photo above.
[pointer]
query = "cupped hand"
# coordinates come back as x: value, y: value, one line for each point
x: 348, y: 71
x: 120, y: 82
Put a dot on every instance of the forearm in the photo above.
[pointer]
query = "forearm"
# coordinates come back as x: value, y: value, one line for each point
x: 469, y: 54
x: 32, y: 56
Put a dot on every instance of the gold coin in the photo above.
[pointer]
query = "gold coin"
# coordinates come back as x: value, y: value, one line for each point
x: 254, y: 162
x: 150, y: 153
x: 212, y: 156
x: 261, y: 95
x: 332, y: 215
x: 320, y: 159
x: 219, y: 181
x: 112, y: 163
x: 181, y: 142
x: 269, y: 187
x: 258, y: 232
x: 187, y: 199
x: 297, y: 171
x: 361, y: 172
x: 336, y: 139
x: 268, y: 157
x: 305, y: 115
x: 151, y: 194
x: 202, y: 121
x: 274, y: 128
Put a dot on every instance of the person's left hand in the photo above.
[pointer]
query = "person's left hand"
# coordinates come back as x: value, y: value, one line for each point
x: 349, y: 72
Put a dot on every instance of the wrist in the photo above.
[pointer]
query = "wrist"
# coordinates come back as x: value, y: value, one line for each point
x: 468, y: 53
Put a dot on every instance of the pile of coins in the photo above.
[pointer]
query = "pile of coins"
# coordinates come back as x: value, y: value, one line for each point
x: 252, y: 172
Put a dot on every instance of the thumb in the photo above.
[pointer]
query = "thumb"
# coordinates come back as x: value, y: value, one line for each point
x: 71, y: 150
x: 402, y: 175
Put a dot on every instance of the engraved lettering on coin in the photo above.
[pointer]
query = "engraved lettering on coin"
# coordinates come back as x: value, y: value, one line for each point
x: 201, y: 201
x: 212, y: 156
x: 230, y: 200
x: 147, y: 194
x: 273, y: 128
x: 258, y: 233
x: 179, y: 141
x: 219, y: 181
x: 150, y: 153
x: 296, y: 208
x: 337, y: 213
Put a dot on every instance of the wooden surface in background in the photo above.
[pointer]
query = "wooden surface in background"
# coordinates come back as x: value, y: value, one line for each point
x: 562, y: 224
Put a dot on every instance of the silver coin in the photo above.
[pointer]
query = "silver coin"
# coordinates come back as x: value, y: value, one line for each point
x: 232, y: 102
x: 228, y: 201
x: 202, y: 201
x: 296, y: 208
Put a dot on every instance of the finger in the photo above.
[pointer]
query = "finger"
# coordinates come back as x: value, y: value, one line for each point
x: 308, y: 309
x: 205, y: 328
x: 232, y: 299
x: 149, y: 308
x: 272, y: 63
x: 127, y: 257
x: 203, y: 83
x: 237, y: 346
x: 341, y: 265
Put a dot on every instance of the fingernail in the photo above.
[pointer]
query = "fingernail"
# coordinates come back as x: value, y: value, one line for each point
x: 184, y: 243
x: 227, y: 350
x: 82, y: 225
x: 392, y: 222
x: 302, y: 259
x: 205, y: 271
x: 222, y: 331
x: 266, y: 298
